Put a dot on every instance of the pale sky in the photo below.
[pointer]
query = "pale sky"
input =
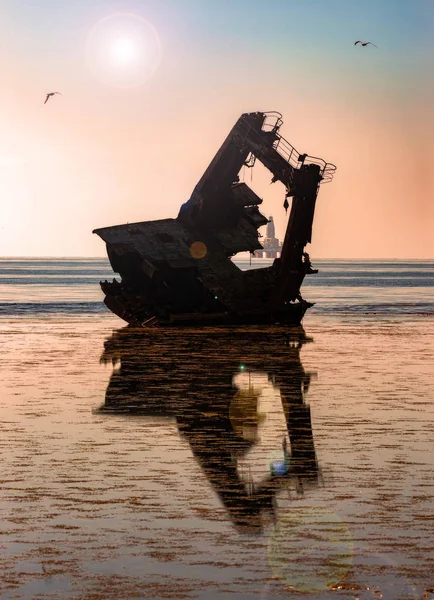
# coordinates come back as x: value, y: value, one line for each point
x: 150, y: 89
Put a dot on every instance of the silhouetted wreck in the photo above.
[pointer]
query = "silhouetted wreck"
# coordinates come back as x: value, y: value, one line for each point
x: 179, y: 271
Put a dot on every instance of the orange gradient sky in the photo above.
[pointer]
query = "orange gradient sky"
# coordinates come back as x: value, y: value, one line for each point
x: 106, y: 152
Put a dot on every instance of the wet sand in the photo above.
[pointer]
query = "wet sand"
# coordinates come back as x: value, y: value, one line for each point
x: 161, y: 472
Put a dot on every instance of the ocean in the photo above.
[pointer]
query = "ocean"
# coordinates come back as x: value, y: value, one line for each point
x: 71, y: 286
x: 248, y: 463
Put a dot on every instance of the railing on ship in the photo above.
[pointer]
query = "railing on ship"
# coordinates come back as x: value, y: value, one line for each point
x: 273, y: 121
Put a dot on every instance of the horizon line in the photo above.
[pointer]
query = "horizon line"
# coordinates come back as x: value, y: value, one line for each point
x: 76, y: 257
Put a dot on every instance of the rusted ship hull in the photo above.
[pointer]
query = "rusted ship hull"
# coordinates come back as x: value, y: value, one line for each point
x: 120, y: 304
x: 179, y: 271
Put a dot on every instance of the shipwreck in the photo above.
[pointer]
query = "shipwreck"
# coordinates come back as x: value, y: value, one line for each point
x: 180, y: 271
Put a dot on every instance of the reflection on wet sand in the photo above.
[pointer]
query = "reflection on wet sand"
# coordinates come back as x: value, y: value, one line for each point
x: 200, y: 379
x: 115, y: 506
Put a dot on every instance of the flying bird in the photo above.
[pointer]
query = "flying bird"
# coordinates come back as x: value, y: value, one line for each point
x: 364, y: 43
x: 49, y: 95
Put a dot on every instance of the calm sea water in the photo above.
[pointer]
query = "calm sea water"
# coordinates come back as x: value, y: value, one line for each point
x: 30, y: 286
x: 228, y: 464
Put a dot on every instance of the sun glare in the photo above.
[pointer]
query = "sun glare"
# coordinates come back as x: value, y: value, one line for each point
x: 123, y: 50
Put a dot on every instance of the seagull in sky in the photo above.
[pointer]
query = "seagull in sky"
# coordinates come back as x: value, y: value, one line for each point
x: 49, y: 95
x: 364, y: 43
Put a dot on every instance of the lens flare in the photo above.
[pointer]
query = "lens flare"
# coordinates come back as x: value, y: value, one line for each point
x: 310, y: 549
x: 123, y: 50
x: 243, y: 413
x: 381, y: 576
x: 279, y: 467
x: 198, y: 250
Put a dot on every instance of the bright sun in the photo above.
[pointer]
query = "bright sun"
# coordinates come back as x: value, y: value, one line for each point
x: 123, y: 50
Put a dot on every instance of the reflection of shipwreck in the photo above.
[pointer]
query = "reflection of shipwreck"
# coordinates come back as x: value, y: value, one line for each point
x: 179, y: 271
x: 189, y: 376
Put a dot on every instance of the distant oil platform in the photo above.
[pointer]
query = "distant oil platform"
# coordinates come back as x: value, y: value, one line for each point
x: 271, y: 245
